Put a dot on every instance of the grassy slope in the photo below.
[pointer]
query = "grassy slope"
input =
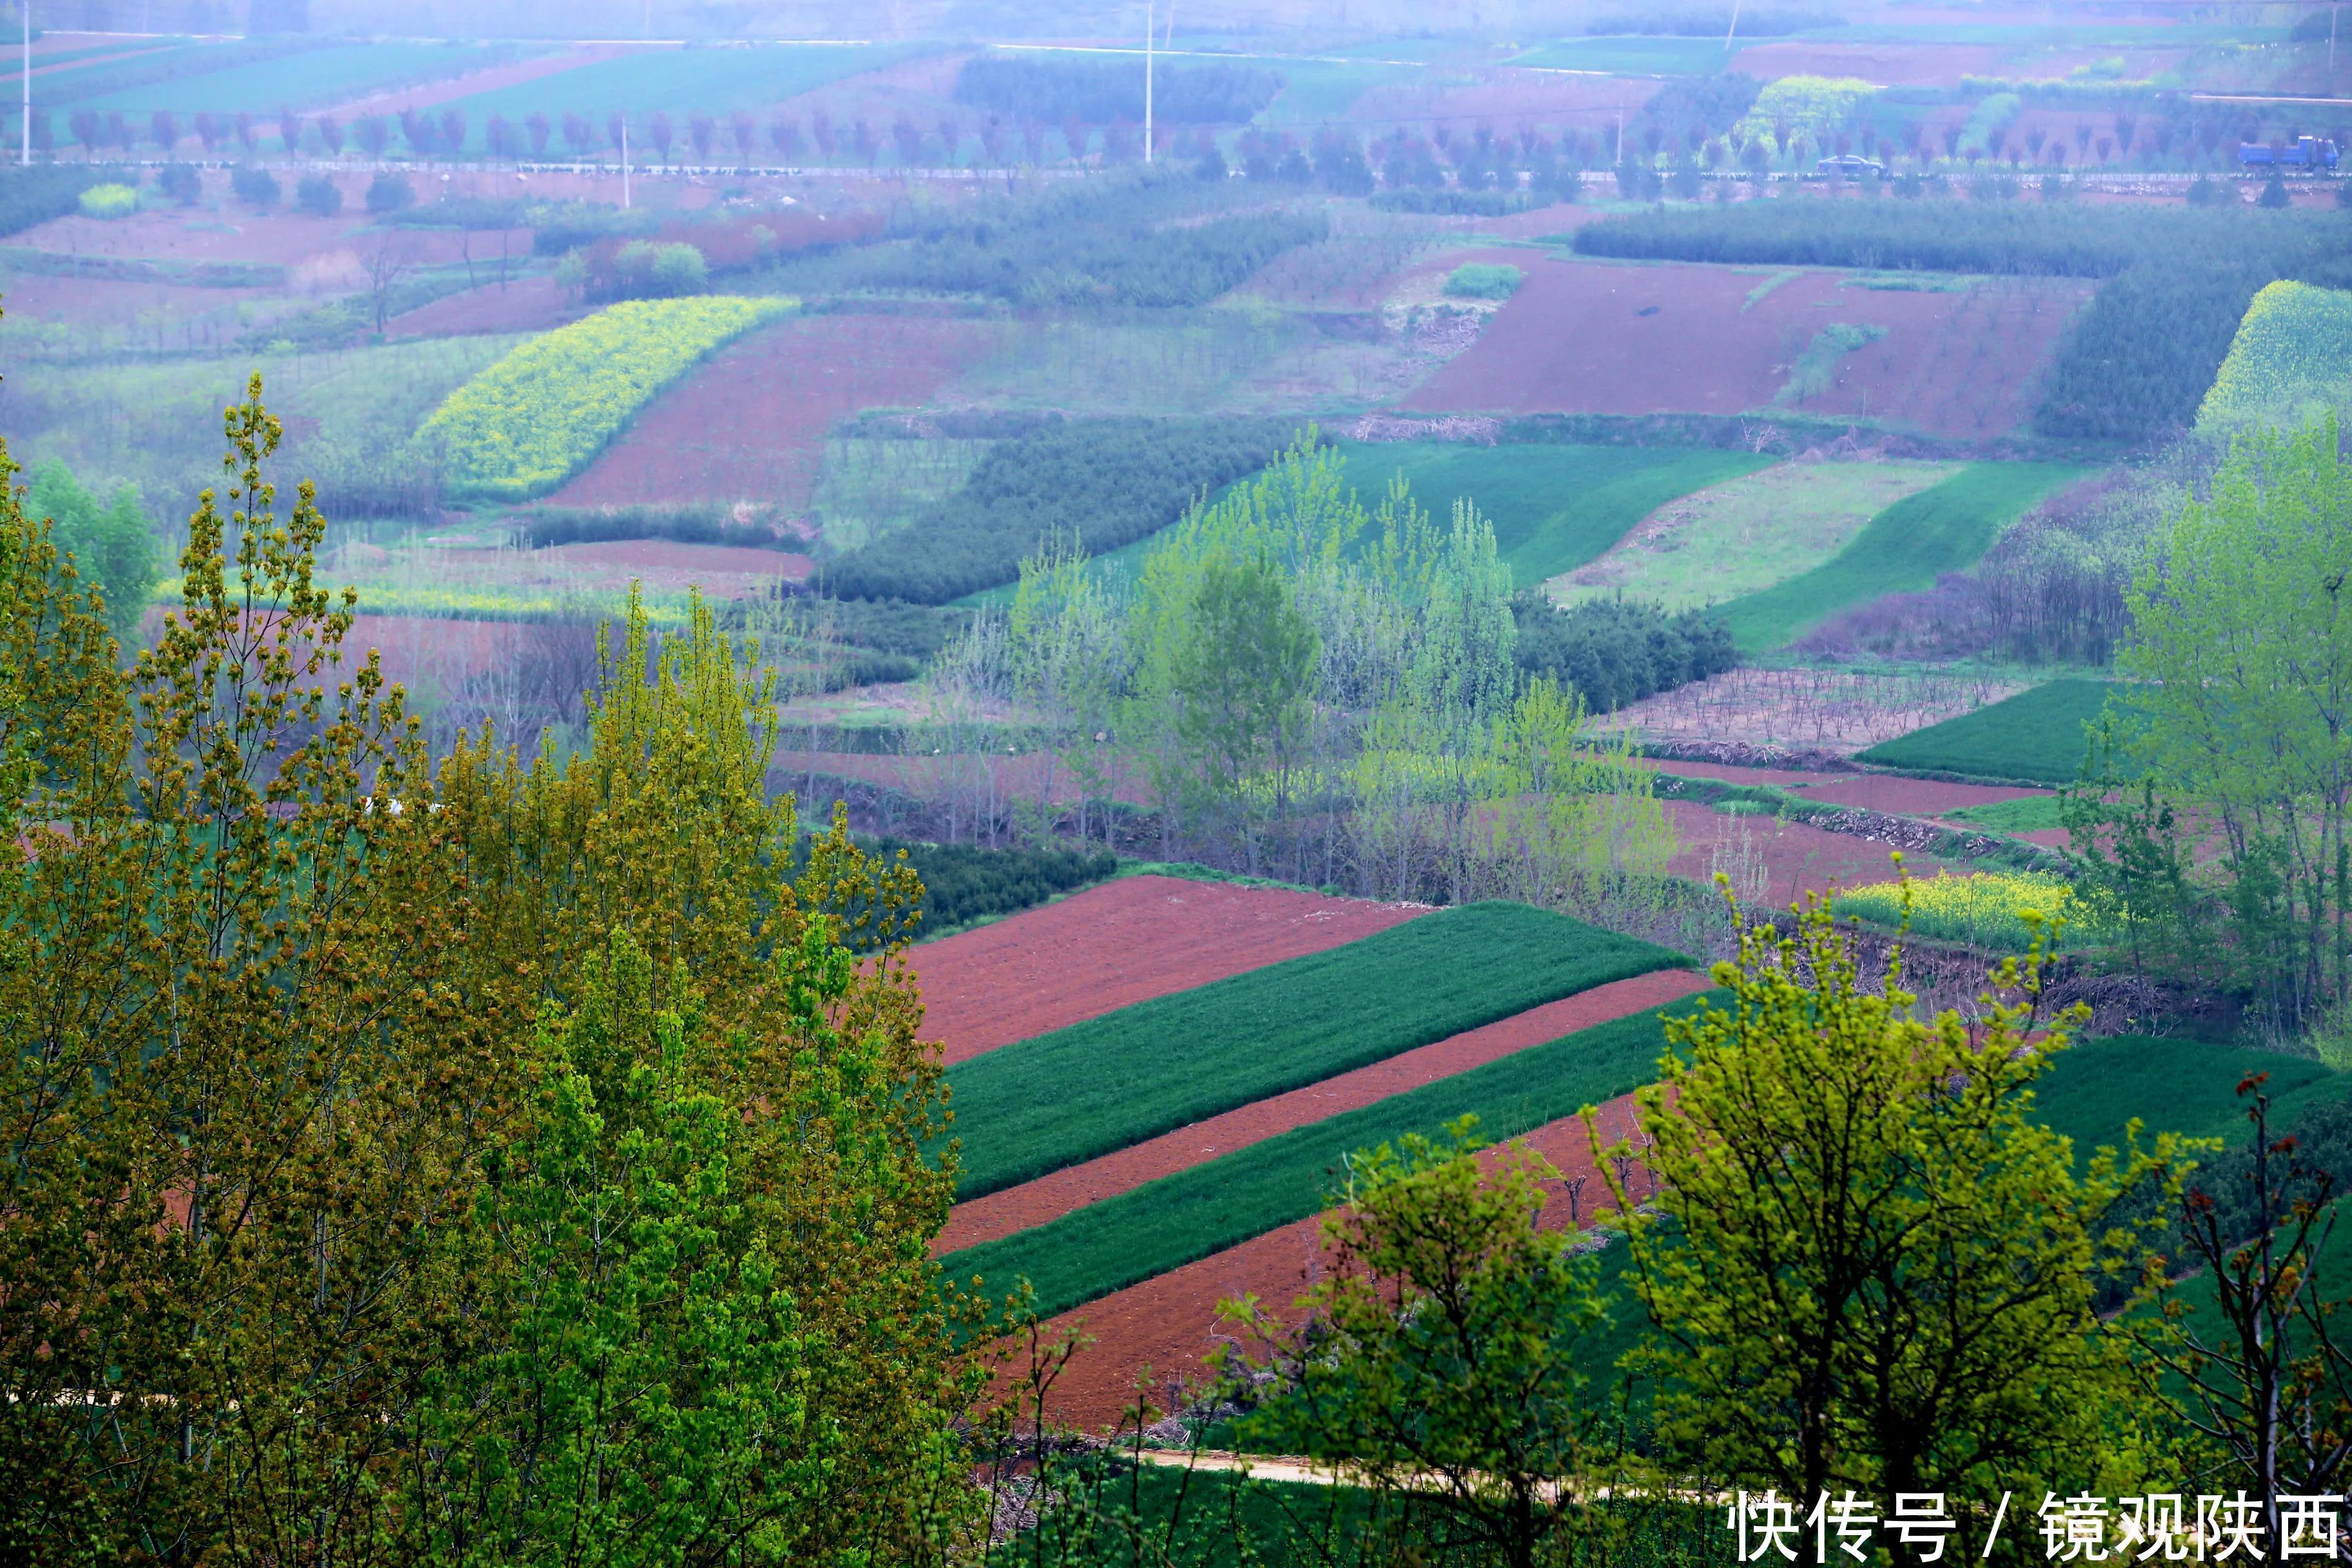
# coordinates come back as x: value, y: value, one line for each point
x: 683, y: 82
x: 1945, y: 528
x: 1553, y: 508
x: 1166, y: 1224
x: 2035, y: 735
x: 1747, y: 534
x: 1058, y: 1099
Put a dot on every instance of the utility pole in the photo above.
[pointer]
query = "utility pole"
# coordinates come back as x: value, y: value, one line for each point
x: 25, y: 156
x: 1733, y: 28
x: 625, y: 163
x: 1147, y: 80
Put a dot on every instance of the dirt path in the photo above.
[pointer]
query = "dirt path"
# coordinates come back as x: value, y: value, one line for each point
x: 1049, y: 1197
x: 1119, y: 944
x: 1160, y: 1333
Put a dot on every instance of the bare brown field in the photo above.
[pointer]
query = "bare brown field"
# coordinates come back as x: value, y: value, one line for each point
x: 750, y: 422
x: 523, y: 305
x: 1774, y: 863
x: 1597, y: 338
x: 1117, y: 944
x: 721, y: 571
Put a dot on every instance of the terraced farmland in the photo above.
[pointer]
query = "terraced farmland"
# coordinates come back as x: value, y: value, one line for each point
x: 1027, y: 1109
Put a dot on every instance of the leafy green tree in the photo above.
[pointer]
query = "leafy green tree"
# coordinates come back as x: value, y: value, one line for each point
x: 1444, y: 1354
x: 113, y: 547
x: 2240, y: 659
x: 1242, y: 679
x: 1864, y: 1264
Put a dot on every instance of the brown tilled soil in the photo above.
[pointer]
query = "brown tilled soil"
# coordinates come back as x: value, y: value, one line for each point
x: 1595, y: 338
x: 1910, y: 797
x: 1159, y: 1332
x: 301, y: 243
x: 521, y: 305
x: 752, y: 421
x: 1119, y: 944
x: 1049, y: 1197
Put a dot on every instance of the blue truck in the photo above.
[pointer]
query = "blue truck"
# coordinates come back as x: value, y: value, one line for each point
x: 2306, y: 154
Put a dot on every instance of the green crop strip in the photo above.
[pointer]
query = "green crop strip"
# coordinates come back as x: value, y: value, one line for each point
x: 1166, y: 1224
x: 2037, y: 736
x: 1943, y: 528
x: 1056, y: 1099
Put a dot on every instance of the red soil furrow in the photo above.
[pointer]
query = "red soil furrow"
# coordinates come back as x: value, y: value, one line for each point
x: 1117, y: 944
x: 1159, y: 1333
x: 1910, y: 797
x: 1049, y: 1197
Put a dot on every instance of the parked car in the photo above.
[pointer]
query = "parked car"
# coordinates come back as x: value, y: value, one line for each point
x: 1849, y: 164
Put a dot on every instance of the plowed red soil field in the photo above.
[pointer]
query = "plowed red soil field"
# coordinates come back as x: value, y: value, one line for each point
x: 1164, y: 1327
x: 1793, y: 858
x: 750, y: 422
x: 1117, y: 944
x: 1910, y: 797
x: 1587, y: 337
x: 1049, y: 1197
x: 523, y: 305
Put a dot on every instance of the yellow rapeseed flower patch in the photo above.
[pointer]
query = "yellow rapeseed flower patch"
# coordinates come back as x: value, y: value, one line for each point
x: 531, y: 421
x: 1984, y: 909
x: 2292, y: 359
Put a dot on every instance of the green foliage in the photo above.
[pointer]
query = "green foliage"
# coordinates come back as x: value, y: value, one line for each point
x: 1166, y: 1224
x: 1027, y: 1109
x: 1101, y: 483
x: 643, y: 270
x: 2239, y: 652
x: 390, y: 193
x: 1483, y: 280
x: 964, y: 882
x: 1863, y: 1263
x: 690, y: 522
x: 2038, y: 735
x: 29, y: 196
x: 1611, y: 652
x: 531, y: 421
x: 1054, y: 88
x: 108, y: 200
x: 1242, y: 677
x: 257, y: 188
x: 225, y: 77
x: 1943, y: 528
x: 678, y: 81
x: 181, y: 183
x: 2098, y: 1087
x: 2027, y: 813
x: 114, y: 548
x: 319, y: 195
x: 1448, y: 1342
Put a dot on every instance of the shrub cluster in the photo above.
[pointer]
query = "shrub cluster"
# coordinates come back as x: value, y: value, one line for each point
x: 690, y: 522
x: 257, y: 186
x: 28, y: 196
x: 1104, y: 92
x: 108, y: 200
x: 1103, y: 482
x: 1615, y: 651
x: 963, y: 882
x: 1151, y: 239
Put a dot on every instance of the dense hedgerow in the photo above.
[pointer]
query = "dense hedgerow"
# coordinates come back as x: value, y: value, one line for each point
x: 690, y: 522
x: 2137, y: 362
x: 1100, y: 92
x: 963, y: 882
x: 1103, y: 482
x: 33, y: 195
x: 1152, y: 240
x: 1614, y: 651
